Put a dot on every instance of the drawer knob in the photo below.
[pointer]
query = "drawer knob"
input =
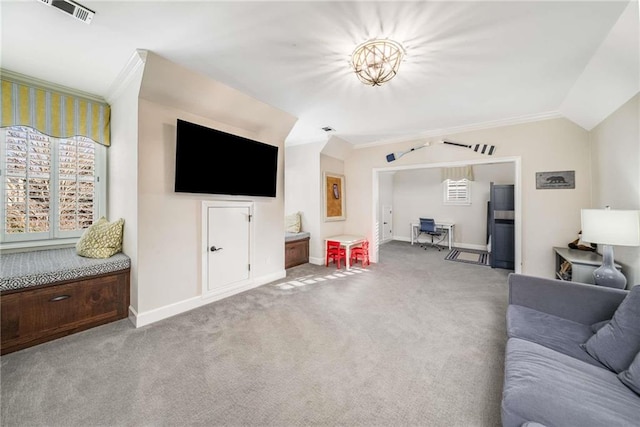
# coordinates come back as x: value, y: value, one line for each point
x: 59, y: 298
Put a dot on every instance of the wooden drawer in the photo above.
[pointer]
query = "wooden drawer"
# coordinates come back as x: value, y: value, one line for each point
x: 296, y: 252
x: 33, y: 316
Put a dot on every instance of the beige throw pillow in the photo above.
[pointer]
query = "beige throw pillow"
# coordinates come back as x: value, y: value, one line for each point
x: 292, y: 223
x: 101, y: 240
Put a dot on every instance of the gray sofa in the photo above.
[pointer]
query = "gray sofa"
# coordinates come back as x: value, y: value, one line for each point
x: 550, y: 379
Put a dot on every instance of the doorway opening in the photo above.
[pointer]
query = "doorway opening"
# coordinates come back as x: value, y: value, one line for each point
x: 378, y: 179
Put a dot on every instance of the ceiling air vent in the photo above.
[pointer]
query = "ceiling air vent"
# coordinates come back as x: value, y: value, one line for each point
x: 74, y: 9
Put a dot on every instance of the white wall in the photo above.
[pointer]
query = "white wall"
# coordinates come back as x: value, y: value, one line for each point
x: 169, y: 224
x: 122, y: 194
x: 302, y: 177
x: 331, y: 228
x: 549, y: 217
x: 610, y: 77
x: 419, y: 193
x: 304, y: 168
x: 615, y: 147
x: 385, y: 198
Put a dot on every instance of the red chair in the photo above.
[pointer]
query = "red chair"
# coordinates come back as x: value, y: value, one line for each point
x: 335, y: 253
x: 360, y: 253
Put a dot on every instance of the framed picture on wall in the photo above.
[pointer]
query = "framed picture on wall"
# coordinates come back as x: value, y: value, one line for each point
x: 334, y: 197
x: 555, y: 180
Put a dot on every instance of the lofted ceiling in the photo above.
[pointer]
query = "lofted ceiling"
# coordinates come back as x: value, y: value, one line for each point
x: 466, y: 63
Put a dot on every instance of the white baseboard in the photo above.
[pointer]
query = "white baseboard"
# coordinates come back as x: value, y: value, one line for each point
x: 133, y: 316
x: 470, y: 246
x: 316, y: 260
x: 152, y: 316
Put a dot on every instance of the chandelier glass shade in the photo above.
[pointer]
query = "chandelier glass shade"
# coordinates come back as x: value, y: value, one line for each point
x: 377, y: 61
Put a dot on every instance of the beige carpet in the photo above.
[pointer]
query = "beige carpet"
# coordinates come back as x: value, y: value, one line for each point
x: 411, y: 341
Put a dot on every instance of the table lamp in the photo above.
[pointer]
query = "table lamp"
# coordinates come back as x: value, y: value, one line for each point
x: 608, y: 227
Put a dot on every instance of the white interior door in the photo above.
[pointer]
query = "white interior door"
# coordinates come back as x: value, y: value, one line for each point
x: 387, y: 223
x: 228, y: 234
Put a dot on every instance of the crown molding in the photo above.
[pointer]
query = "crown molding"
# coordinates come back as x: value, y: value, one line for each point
x: 137, y: 60
x: 466, y: 128
x: 311, y: 140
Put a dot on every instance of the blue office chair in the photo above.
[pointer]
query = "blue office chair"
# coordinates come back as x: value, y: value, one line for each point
x: 428, y: 227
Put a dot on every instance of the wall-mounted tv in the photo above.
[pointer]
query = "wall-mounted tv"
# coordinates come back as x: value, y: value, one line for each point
x: 215, y: 162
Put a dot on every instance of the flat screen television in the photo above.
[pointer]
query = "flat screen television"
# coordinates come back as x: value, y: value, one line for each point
x: 214, y: 162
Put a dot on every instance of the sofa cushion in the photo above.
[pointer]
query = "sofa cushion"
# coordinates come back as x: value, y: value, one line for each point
x: 599, y: 325
x: 631, y: 377
x: 551, y: 331
x: 553, y: 389
x: 292, y: 237
x: 26, y: 269
x: 617, y: 343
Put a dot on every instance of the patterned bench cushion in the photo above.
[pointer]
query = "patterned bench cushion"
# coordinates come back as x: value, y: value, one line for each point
x: 292, y: 237
x: 26, y: 269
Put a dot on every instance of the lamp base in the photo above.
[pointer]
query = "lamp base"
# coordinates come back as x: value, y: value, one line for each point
x: 607, y: 274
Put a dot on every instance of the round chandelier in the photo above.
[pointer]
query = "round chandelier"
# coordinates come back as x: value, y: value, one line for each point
x: 377, y: 61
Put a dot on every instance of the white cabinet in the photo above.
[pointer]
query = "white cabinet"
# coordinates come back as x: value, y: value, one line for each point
x: 226, y: 248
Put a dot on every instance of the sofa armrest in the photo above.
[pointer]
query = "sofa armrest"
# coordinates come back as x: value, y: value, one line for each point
x: 579, y: 302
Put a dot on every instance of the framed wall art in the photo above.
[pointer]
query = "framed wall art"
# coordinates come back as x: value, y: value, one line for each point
x: 334, y: 197
x: 555, y: 180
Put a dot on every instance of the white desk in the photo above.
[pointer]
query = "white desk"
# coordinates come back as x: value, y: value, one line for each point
x: 348, y: 241
x: 448, y: 226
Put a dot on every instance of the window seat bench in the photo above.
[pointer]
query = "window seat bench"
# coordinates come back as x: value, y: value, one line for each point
x: 51, y: 293
x: 296, y: 248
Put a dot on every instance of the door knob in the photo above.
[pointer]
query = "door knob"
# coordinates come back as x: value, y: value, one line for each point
x: 213, y: 249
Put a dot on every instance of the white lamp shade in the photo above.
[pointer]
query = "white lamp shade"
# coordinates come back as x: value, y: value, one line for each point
x: 611, y: 227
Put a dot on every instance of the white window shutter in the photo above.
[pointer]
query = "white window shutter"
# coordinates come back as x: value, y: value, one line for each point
x: 457, y: 192
x: 27, y: 193
x: 76, y: 183
x: 48, y: 187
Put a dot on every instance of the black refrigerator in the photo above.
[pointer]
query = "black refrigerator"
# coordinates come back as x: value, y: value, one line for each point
x: 500, y: 226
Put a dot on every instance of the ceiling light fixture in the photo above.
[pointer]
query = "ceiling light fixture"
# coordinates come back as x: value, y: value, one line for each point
x: 377, y: 61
